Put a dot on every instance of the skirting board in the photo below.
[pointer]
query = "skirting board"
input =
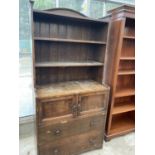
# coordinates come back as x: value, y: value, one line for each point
x: 27, y: 119
x: 109, y: 137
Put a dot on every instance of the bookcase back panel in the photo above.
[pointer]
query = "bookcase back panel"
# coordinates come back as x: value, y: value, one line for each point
x: 68, y: 52
x: 122, y: 101
x: 125, y: 82
x: 66, y: 29
x: 128, y: 48
x: 121, y: 122
x: 52, y: 75
x: 126, y: 65
x: 129, y: 27
x: 124, y: 118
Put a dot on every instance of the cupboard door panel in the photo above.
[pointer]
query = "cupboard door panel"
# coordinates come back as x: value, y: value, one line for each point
x: 56, y: 107
x: 90, y: 102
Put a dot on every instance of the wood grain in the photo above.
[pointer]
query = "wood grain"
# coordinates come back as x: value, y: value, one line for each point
x: 68, y: 88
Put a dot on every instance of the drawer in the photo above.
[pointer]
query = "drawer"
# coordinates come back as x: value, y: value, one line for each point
x: 55, y: 131
x: 73, y: 145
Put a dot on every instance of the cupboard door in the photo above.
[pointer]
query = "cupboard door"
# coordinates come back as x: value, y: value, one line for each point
x: 91, y: 102
x: 49, y: 109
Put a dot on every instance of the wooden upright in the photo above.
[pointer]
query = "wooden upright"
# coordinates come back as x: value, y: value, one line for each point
x: 120, y: 72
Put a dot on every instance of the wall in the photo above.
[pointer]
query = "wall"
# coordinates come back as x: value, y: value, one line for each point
x: 26, y: 104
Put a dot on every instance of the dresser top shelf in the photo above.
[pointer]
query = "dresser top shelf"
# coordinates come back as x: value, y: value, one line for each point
x: 69, y: 40
x: 68, y: 64
x: 69, y: 88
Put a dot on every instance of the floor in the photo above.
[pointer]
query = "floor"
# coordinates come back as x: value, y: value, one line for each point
x: 123, y: 145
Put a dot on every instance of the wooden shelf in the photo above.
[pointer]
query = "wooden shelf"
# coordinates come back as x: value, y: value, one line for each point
x: 126, y: 72
x: 68, y: 64
x: 67, y: 88
x: 122, y: 124
x: 127, y: 58
x: 129, y: 37
x: 125, y: 92
x: 69, y: 40
x: 126, y: 107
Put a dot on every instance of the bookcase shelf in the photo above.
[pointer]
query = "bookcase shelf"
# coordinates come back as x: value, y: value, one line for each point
x: 126, y: 72
x: 127, y: 58
x: 69, y: 40
x: 120, y: 72
x: 124, y: 104
x: 125, y: 92
x: 122, y: 123
x: 122, y: 108
x: 125, y: 83
x: 68, y: 64
x: 129, y: 37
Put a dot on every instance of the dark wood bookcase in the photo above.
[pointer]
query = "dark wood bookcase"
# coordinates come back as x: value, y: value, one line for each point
x: 120, y: 72
x: 71, y: 98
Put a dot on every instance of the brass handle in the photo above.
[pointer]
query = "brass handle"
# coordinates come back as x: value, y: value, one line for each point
x: 55, y: 151
x: 48, y: 131
x: 93, y: 142
x: 57, y: 132
x: 74, y: 110
x: 78, y: 109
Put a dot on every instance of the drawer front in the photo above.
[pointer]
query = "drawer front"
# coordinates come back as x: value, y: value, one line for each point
x: 92, y: 102
x: 56, y: 107
x: 74, y: 145
x: 75, y: 126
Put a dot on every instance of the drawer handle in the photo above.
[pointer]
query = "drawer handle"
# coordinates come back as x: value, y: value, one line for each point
x: 55, y: 151
x: 79, y: 109
x: 48, y: 131
x: 93, y: 142
x: 74, y: 110
x: 57, y: 132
